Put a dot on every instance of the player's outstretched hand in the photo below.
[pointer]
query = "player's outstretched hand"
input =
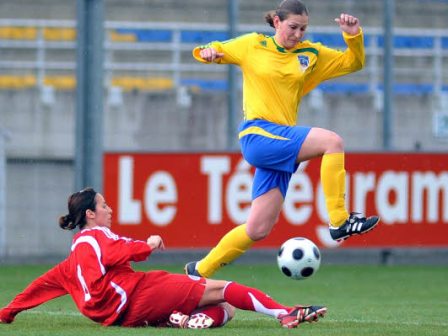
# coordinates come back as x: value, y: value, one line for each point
x: 348, y: 23
x: 5, y: 318
x: 210, y: 54
x: 155, y: 242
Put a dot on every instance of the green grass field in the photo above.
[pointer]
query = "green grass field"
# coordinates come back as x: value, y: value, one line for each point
x: 361, y: 300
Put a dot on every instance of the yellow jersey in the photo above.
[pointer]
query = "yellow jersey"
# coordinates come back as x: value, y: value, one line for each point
x: 275, y: 79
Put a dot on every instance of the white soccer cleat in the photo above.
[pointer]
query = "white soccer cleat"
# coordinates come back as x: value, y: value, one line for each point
x: 195, y: 321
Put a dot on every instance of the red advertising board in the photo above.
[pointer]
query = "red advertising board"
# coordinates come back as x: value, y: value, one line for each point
x: 191, y: 200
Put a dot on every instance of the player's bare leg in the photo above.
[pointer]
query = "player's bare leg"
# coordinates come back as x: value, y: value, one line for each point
x: 264, y: 213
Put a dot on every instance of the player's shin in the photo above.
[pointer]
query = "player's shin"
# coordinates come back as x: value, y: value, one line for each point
x: 247, y: 298
x: 229, y: 248
x: 332, y: 174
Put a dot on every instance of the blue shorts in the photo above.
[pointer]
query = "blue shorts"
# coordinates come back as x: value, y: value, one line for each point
x: 272, y: 149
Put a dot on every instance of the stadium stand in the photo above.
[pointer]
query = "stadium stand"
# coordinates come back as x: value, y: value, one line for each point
x: 18, y: 33
x: 59, y: 34
x: 68, y: 82
x: 17, y: 82
x: 432, y: 44
x: 142, y: 83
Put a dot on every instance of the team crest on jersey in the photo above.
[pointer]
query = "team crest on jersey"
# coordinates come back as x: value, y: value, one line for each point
x: 304, y: 61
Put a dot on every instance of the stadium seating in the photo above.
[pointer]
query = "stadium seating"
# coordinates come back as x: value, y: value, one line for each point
x: 68, y: 82
x: 59, y: 34
x: 18, y: 33
x: 129, y: 83
x: 142, y: 83
x: 60, y: 82
x: 164, y: 38
x: 17, y: 82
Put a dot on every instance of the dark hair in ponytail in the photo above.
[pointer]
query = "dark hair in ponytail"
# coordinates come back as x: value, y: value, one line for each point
x: 286, y: 8
x: 78, y: 203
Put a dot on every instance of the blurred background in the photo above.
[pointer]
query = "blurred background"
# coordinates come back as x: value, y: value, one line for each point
x: 154, y: 98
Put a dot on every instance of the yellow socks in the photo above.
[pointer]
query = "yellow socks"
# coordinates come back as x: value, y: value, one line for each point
x: 236, y: 241
x: 332, y: 175
x: 229, y: 248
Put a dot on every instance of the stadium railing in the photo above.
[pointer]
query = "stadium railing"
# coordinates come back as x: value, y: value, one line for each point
x: 157, y: 56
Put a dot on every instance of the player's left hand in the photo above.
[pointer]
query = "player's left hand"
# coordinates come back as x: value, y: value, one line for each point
x: 155, y: 242
x: 348, y: 23
x: 5, y: 318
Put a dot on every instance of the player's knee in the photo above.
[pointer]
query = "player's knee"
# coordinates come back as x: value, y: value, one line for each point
x: 260, y: 231
x: 261, y: 222
x: 335, y: 142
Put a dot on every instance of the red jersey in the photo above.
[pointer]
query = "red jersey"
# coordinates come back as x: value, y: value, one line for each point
x: 97, y: 274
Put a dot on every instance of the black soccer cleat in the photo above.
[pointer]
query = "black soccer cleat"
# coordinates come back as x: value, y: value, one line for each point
x: 354, y: 225
x: 190, y: 269
x: 300, y: 314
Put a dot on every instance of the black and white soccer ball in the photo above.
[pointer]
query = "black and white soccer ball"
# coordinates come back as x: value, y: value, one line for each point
x: 298, y: 258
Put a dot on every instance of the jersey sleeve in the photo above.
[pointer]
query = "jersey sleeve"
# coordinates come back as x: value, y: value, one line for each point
x: 234, y: 49
x: 46, y: 287
x: 333, y: 63
x: 117, y: 250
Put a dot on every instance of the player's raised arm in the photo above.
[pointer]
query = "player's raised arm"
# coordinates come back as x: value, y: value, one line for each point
x: 348, y: 24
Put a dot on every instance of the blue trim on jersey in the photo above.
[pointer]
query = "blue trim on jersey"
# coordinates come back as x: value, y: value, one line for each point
x: 272, y: 152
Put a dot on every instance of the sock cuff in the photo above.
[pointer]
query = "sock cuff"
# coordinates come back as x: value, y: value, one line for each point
x: 333, y: 156
x: 225, y: 288
x: 242, y: 230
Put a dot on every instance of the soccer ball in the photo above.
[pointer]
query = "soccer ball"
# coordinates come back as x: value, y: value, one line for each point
x: 298, y: 258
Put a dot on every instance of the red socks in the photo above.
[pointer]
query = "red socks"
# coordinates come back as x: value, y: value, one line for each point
x: 248, y: 298
x: 216, y: 312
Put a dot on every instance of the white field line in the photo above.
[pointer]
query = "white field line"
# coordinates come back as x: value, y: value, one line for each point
x: 260, y: 318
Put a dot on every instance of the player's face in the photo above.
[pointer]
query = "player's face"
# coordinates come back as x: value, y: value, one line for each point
x: 103, y: 213
x: 290, y: 31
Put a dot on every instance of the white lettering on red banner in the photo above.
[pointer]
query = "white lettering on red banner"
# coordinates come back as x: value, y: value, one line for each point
x: 194, y: 199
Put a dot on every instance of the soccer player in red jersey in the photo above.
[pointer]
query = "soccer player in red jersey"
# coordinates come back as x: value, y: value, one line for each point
x: 98, y: 276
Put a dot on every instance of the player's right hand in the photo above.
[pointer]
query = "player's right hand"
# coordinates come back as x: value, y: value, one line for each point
x: 210, y: 54
x: 155, y: 242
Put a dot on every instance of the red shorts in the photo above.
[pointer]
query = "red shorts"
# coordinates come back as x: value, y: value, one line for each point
x: 158, y: 294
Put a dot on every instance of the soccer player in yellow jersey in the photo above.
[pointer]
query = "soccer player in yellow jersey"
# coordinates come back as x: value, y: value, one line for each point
x: 277, y: 72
